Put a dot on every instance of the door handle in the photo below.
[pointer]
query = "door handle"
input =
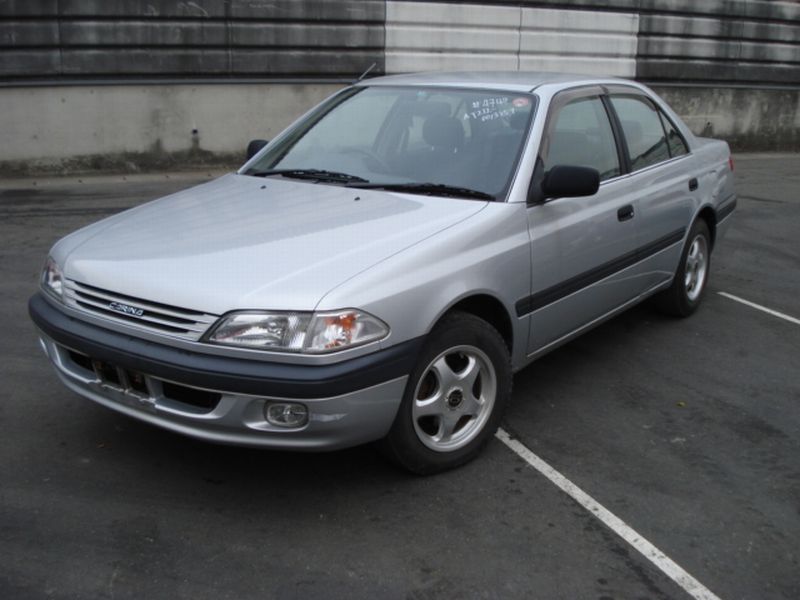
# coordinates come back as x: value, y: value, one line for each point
x: 693, y: 184
x: 625, y: 213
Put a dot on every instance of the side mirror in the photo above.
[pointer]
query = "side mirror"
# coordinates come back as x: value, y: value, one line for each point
x: 565, y: 181
x: 254, y: 147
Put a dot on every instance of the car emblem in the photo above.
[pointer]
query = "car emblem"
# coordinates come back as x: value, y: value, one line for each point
x: 126, y: 309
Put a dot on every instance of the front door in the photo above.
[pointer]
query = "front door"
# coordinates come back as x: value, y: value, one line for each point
x: 583, y: 250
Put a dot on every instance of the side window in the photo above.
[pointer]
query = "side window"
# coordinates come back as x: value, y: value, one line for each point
x: 677, y: 146
x: 581, y: 136
x: 647, y: 143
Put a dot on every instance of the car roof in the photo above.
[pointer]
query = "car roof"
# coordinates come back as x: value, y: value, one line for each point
x: 521, y: 81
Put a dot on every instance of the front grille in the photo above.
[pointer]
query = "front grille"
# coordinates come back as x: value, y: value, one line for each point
x: 144, y: 386
x: 193, y: 396
x: 142, y: 314
x: 81, y: 360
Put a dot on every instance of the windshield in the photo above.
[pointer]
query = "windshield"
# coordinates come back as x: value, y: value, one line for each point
x: 402, y: 137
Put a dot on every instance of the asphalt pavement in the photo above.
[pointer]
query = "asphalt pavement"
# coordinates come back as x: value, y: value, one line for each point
x: 687, y: 430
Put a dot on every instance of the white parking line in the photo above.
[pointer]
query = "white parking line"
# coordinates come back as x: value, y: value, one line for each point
x: 769, y: 311
x: 649, y: 551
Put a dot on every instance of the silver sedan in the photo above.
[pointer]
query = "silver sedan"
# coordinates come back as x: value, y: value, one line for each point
x: 381, y: 268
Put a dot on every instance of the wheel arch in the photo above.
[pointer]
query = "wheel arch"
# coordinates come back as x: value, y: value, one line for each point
x: 490, y: 309
x: 709, y: 215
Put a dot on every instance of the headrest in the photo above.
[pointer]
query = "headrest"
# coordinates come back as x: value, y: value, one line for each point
x: 443, y: 132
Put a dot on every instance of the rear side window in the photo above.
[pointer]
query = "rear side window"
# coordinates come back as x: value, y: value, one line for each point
x: 581, y: 136
x: 644, y: 133
x: 677, y: 146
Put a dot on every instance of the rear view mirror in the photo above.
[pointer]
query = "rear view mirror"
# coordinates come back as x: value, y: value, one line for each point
x: 254, y: 147
x: 565, y: 181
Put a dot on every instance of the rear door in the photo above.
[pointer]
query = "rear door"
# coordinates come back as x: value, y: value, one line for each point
x: 583, y: 250
x: 661, y: 167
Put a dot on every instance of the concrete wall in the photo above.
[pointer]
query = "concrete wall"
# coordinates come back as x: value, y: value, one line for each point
x: 426, y: 36
x: 752, y: 42
x: 747, y: 118
x: 143, y: 126
x: 735, y: 41
x: 100, y: 84
x: 67, y: 40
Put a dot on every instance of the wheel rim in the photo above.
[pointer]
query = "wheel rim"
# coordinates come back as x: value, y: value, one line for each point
x: 454, y: 398
x: 696, y: 267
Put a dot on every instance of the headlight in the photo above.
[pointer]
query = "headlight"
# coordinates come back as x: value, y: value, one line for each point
x: 298, y: 332
x: 52, y: 279
x: 281, y: 331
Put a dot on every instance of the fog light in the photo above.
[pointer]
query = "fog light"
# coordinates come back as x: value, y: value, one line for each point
x: 286, y: 414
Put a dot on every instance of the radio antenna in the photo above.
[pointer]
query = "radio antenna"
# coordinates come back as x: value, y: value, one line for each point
x: 365, y: 73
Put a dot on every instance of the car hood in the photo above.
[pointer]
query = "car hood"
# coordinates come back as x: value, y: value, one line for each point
x: 243, y: 242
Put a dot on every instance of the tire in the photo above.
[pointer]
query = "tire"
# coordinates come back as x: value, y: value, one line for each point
x: 685, y: 294
x: 454, y: 398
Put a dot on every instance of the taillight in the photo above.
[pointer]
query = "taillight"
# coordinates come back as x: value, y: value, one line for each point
x: 730, y: 162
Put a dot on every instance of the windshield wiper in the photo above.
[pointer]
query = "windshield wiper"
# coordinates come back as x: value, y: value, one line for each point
x: 429, y: 189
x: 315, y: 174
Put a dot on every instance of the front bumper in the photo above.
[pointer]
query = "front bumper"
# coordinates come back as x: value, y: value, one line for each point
x: 222, y: 399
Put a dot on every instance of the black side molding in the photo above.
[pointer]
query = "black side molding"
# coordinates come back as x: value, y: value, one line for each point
x: 552, y: 294
x: 726, y: 210
x: 224, y: 373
